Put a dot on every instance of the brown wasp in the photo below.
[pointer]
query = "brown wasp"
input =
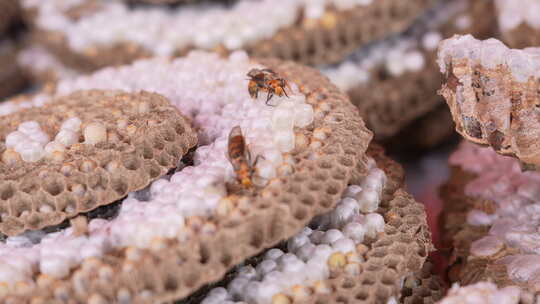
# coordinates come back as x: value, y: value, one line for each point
x: 268, y: 81
x: 240, y: 157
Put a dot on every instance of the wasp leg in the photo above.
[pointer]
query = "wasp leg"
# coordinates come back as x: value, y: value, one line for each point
x: 269, y: 96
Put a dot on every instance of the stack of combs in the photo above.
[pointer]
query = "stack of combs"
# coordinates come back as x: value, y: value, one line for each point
x: 326, y: 216
x: 489, y: 217
x: 230, y: 151
x: 339, y: 37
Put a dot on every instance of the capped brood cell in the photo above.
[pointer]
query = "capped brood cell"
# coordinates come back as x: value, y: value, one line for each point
x: 38, y: 143
x: 328, y: 263
x: 313, y: 254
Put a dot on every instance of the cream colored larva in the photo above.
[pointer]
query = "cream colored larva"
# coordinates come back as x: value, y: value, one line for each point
x: 32, y: 144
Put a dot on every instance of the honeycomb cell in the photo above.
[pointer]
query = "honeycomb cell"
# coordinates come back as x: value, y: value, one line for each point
x: 92, y: 174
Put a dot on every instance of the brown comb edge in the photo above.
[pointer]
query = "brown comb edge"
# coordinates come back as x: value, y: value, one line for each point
x: 506, y: 97
x: 400, y: 251
x: 170, y: 270
x: 12, y: 78
x: 457, y: 236
x: 388, y: 104
x: 49, y: 76
x: 406, y: 238
x: 140, y: 158
x: 354, y: 28
x: 321, y: 44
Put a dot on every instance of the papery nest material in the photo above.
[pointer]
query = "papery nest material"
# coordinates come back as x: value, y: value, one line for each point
x: 492, y: 93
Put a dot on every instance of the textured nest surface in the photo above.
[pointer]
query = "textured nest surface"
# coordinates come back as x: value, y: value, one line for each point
x: 396, y: 255
x: 402, y: 248
x: 172, y: 270
x: 461, y: 223
x: 458, y: 234
x: 330, y: 44
x: 397, y: 101
x: 129, y: 160
x: 324, y: 42
x: 491, y: 105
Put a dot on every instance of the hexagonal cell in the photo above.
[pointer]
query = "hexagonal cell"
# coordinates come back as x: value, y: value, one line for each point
x: 109, y: 170
x: 174, y: 267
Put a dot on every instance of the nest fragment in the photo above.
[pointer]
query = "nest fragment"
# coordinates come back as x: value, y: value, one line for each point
x: 396, y: 255
x: 397, y: 101
x: 128, y: 160
x: 491, y: 106
x: 323, y: 42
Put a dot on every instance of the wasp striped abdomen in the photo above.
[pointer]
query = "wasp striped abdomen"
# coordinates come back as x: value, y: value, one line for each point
x: 239, y: 157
